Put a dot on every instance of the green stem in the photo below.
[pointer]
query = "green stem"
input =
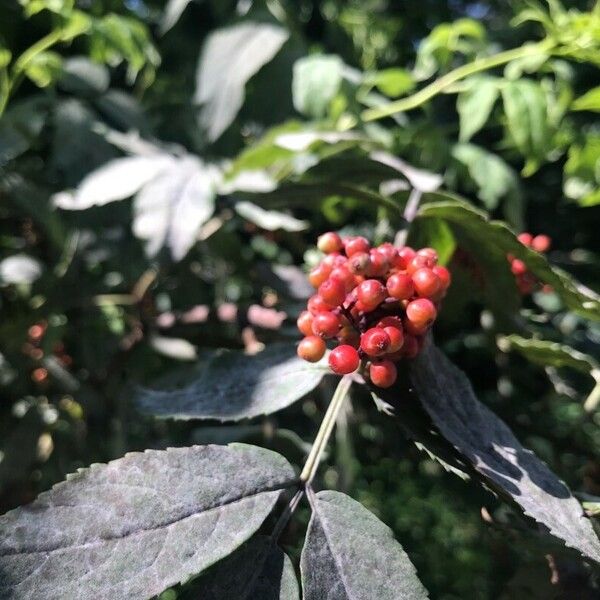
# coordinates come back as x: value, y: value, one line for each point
x: 441, y: 84
x: 320, y: 443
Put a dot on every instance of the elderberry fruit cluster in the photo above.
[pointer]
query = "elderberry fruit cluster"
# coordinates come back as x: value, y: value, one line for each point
x: 526, y: 281
x: 376, y: 303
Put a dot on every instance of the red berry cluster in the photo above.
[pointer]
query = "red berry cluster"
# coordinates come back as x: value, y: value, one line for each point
x: 526, y: 281
x: 377, y: 303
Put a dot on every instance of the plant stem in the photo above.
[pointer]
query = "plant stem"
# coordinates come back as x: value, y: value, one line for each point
x: 441, y: 84
x: 320, y: 443
x: 287, y: 514
x: 410, y: 212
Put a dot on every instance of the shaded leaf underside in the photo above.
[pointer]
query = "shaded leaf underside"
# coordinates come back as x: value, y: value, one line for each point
x: 494, y: 451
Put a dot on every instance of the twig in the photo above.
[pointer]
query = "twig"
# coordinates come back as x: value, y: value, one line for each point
x: 320, y: 443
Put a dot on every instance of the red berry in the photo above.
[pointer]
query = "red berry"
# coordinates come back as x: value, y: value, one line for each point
x: 371, y: 293
x: 375, y: 341
x: 378, y: 264
x: 541, y: 243
x: 304, y: 322
x: 518, y: 267
x: 525, y: 238
x: 421, y: 312
x: 391, y: 321
x: 316, y: 304
x: 333, y: 291
x: 430, y: 253
x: 359, y: 262
x: 344, y: 359
x: 443, y: 275
x: 426, y: 282
x: 400, y: 286
x: 312, y: 348
x: 383, y: 373
x: 319, y: 274
x: 405, y: 255
x: 396, y: 338
x: 329, y: 242
x: 389, y: 251
x: 418, y: 262
x: 356, y: 244
x: 415, y: 329
x: 326, y: 324
x: 344, y: 275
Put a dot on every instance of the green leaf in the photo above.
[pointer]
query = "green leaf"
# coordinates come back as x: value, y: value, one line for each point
x: 5, y: 57
x: 271, y: 220
x: 545, y: 353
x: 317, y: 80
x: 581, y: 180
x: 475, y: 104
x: 259, y: 570
x: 488, y: 443
x: 493, y: 177
x: 490, y: 241
x: 433, y: 233
x: 263, y: 383
x: 589, y: 101
x: 137, y: 525
x: 527, y: 120
x: 557, y: 355
x: 349, y: 554
x: 229, y: 58
x: 392, y: 82
x: 44, y: 68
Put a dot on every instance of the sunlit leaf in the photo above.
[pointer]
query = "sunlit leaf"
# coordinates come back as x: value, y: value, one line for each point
x: 316, y: 82
x: 475, y: 104
x: 229, y: 58
x: 263, y: 384
x: 349, y: 554
x: 133, y: 527
x: 19, y: 269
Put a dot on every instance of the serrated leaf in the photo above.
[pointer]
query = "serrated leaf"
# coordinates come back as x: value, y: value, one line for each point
x: 349, y: 554
x: 117, y: 180
x: 170, y: 209
x: 315, y: 83
x: 137, y: 525
x: 234, y: 386
x: 491, y: 238
x: 475, y: 104
x: 259, y: 570
x: 545, y: 353
x: 271, y: 220
x: 488, y: 443
x: 229, y: 58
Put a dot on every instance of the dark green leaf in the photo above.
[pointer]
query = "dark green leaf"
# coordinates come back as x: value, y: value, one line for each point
x: 494, y: 451
x: 259, y: 570
x: 493, y: 240
x: 235, y: 386
x: 349, y: 554
x: 139, y: 524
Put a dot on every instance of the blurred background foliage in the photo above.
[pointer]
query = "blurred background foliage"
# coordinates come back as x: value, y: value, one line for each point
x: 242, y: 130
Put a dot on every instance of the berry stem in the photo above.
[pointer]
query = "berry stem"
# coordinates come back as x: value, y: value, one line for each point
x: 346, y: 312
x: 324, y: 433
